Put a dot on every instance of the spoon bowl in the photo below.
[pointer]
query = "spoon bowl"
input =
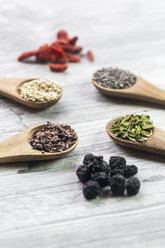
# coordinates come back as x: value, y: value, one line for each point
x: 18, y: 148
x: 154, y: 144
x: 9, y: 88
x: 141, y: 90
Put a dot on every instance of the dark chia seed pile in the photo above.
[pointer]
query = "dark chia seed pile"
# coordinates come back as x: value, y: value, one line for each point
x: 54, y: 138
x: 114, y: 78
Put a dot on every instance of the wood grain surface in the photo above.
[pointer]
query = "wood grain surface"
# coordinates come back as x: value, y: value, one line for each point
x: 41, y: 203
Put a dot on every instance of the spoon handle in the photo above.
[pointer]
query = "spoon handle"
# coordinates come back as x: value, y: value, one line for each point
x: 145, y: 91
x: 15, y: 149
x: 157, y: 141
x: 9, y: 149
x: 8, y: 86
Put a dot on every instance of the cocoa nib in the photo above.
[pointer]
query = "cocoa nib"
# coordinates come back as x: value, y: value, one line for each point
x: 54, y: 138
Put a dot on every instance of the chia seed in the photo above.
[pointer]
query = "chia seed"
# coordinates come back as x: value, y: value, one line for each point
x: 114, y: 78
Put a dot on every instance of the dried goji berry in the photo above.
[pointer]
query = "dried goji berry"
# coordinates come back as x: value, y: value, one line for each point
x: 75, y: 49
x: 73, y: 58
x: 44, y: 54
x: 26, y: 55
x: 90, y: 56
x: 73, y: 40
x: 63, y: 60
x: 58, y: 67
x: 71, y: 48
x: 58, y: 55
x: 59, y: 42
x: 59, y: 52
x: 62, y: 34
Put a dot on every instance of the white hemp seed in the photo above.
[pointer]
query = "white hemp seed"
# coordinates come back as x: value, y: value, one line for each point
x: 40, y: 90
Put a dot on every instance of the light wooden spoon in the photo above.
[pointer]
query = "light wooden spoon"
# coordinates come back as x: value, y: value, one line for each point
x: 9, y: 88
x: 155, y: 144
x: 141, y: 90
x: 18, y: 148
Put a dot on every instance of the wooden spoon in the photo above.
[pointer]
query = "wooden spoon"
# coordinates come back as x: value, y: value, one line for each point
x: 18, y: 148
x: 9, y: 88
x: 154, y: 144
x: 141, y: 90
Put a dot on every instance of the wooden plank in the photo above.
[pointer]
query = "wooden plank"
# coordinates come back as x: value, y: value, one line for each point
x: 42, y: 203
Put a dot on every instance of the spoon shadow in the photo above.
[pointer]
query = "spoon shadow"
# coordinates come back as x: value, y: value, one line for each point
x: 126, y: 101
x: 144, y: 155
x: 33, y: 61
x: 55, y: 165
x: 24, y: 108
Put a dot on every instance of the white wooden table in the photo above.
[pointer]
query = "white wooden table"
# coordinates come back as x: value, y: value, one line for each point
x: 41, y: 204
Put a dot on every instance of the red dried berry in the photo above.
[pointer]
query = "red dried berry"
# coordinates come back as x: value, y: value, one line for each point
x: 73, y: 58
x: 58, y: 67
x: 59, y: 52
x: 44, y: 54
x: 90, y: 56
x: 73, y: 40
x: 71, y: 48
x: 26, y: 55
x: 62, y: 34
x: 59, y: 42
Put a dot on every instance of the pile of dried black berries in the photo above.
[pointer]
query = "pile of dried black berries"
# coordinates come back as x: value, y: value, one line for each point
x: 95, y: 174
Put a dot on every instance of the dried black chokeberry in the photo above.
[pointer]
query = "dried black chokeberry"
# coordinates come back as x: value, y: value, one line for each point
x: 91, y: 190
x: 84, y: 173
x: 118, y: 185
x: 96, y: 174
x: 117, y: 162
x: 110, y: 181
x: 130, y: 170
x: 88, y: 158
x: 101, y: 166
x: 98, y: 159
x: 102, y: 178
x: 116, y: 172
x: 133, y: 186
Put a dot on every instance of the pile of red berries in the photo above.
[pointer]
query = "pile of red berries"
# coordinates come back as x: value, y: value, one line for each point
x: 62, y: 51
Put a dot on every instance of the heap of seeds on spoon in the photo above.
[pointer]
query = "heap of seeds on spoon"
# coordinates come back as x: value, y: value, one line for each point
x: 40, y: 90
x: 114, y: 78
